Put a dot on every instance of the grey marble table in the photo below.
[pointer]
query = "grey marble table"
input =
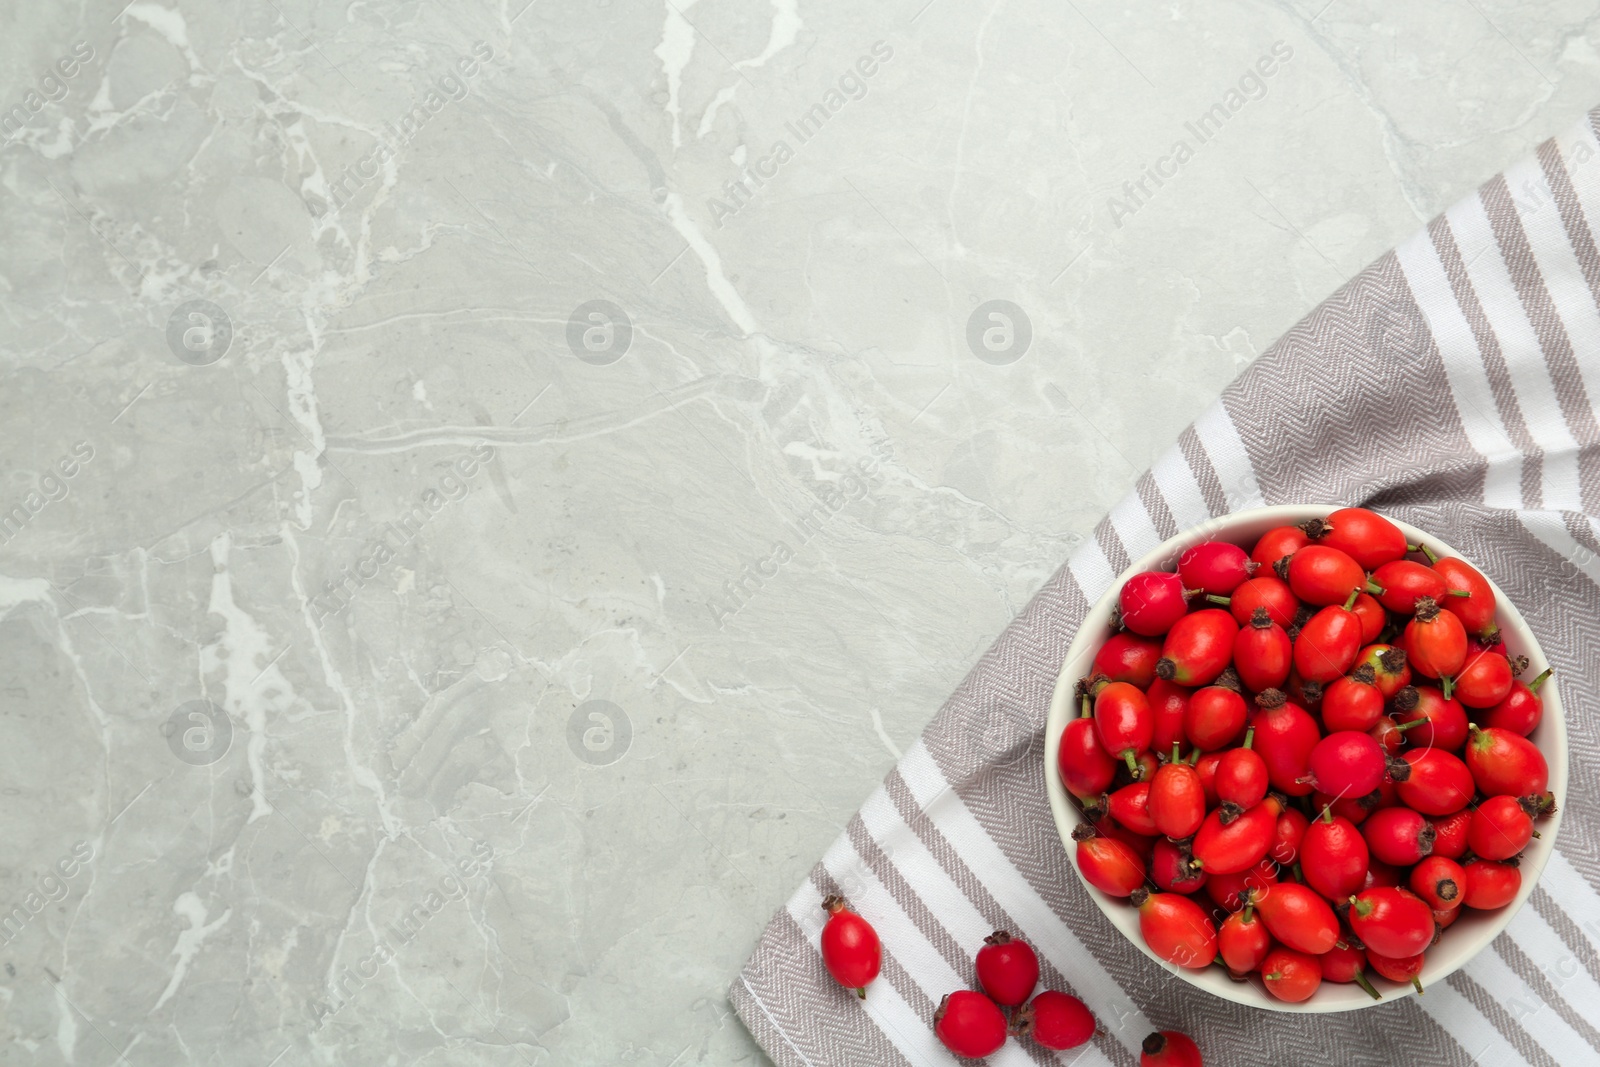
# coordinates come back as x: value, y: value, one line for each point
x: 488, y: 489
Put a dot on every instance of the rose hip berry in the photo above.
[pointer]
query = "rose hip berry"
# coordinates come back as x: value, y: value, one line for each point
x: 1262, y: 653
x: 1334, y: 857
x: 1504, y: 762
x: 1172, y: 868
x: 850, y: 947
x: 1484, y: 679
x: 1152, y: 601
x: 1291, y: 976
x: 1123, y: 723
x: 1392, y: 921
x: 1197, y: 648
x: 1500, y: 828
x: 1353, y: 702
x: 1436, y: 643
x: 1127, y: 658
x: 1438, y: 881
x: 1322, y: 576
x: 1008, y: 969
x: 1476, y: 608
x: 1490, y: 884
x: 1169, y: 1048
x: 1241, y: 781
x: 1279, y: 543
x: 1398, y: 835
x: 1177, y: 801
x: 1521, y: 709
x: 1266, y: 592
x: 1369, y: 538
x: 1403, y: 969
x: 970, y: 1024
x: 1346, y: 963
x: 1287, y: 833
x: 1238, y: 844
x: 1346, y: 763
x: 1389, y: 667
x: 1405, y: 582
x: 1285, y: 736
x: 1442, y: 719
x: 1328, y: 644
x: 1439, y: 783
x: 1111, y: 866
x: 1450, y: 834
x: 1214, y: 718
x: 1167, y: 703
x: 1243, y: 941
x: 1055, y: 1020
x: 1086, y: 770
x: 1176, y: 928
x: 1216, y: 567
x: 1298, y: 917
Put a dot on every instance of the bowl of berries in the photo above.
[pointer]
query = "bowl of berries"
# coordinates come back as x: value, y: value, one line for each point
x: 1306, y: 757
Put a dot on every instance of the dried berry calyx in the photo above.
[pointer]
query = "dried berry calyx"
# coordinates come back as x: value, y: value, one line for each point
x: 1427, y: 609
x: 1317, y: 529
x: 1405, y: 698
x: 1271, y: 698
x: 1365, y: 674
x: 1259, y: 619
x: 1393, y: 659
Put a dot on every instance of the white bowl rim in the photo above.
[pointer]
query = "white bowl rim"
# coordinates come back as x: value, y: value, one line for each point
x: 1444, y: 959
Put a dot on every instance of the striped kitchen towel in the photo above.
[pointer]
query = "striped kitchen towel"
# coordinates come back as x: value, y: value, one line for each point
x: 1453, y: 384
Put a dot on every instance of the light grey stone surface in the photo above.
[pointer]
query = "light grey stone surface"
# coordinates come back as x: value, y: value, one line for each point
x: 405, y: 673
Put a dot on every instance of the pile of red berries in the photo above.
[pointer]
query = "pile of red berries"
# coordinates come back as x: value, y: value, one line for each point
x: 1276, y: 763
x: 975, y: 1024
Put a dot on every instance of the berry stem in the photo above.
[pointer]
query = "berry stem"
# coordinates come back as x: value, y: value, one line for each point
x: 1433, y: 557
x: 1249, y: 737
x: 1225, y: 601
x: 1458, y: 592
x: 1418, y: 983
x: 1351, y: 602
x: 1448, y: 685
x: 1374, y: 588
x: 1413, y: 722
x: 1088, y: 712
x: 1364, y: 983
x: 1176, y: 756
x: 1133, y: 764
x: 1544, y: 676
x: 861, y: 991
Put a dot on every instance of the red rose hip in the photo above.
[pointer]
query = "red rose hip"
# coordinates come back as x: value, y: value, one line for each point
x: 1123, y: 723
x: 1008, y: 969
x: 1055, y: 1020
x: 1391, y: 921
x: 1111, y: 866
x: 1197, y: 648
x: 1216, y: 567
x: 970, y: 1024
x: 1291, y: 976
x: 1169, y: 1048
x: 850, y: 948
x: 1176, y: 928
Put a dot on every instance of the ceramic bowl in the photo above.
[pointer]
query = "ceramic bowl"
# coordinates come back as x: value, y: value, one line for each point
x: 1469, y: 935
